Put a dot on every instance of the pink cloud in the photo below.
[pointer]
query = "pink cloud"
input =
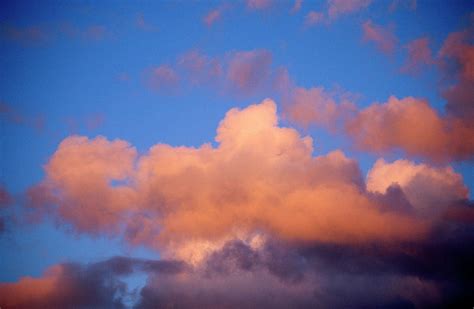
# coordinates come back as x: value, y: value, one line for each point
x: 199, y: 68
x: 261, y: 178
x: 315, y: 106
x: 163, y: 77
x: 413, y: 126
x: 383, y: 38
x: 249, y: 70
x: 419, y: 55
x: 212, y: 17
x: 337, y: 8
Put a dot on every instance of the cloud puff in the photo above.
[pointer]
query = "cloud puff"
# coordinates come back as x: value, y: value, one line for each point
x: 429, y: 190
x: 261, y: 179
x: 248, y: 70
x: 419, y: 56
x: 383, y: 38
x: 413, y: 126
x: 316, y: 106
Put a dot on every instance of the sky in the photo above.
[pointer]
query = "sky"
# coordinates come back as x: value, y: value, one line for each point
x: 236, y: 154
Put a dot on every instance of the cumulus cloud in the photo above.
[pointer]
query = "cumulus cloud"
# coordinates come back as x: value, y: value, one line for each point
x: 430, y: 190
x: 261, y: 178
x: 384, y: 38
x: 413, y: 126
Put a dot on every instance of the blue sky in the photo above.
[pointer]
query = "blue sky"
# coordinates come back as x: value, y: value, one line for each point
x: 80, y: 67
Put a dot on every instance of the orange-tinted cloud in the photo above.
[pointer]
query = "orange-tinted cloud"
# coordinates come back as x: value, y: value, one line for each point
x: 316, y: 106
x: 419, y: 56
x: 383, y: 37
x: 430, y: 190
x: 79, y: 183
x: 261, y: 178
x: 411, y: 125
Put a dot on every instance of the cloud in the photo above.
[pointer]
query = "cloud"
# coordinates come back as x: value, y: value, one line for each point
x: 456, y: 62
x: 212, y: 17
x: 162, y: 78
x: 338, y: 8
x: 249, y: 70
x: 316, y: 106
x: 10, y: 114
x: 273, y: 275
x: 383, y: 38
x: 419, y: 56
x: 199, y: 68
x: 430, y: 190
x: 413, y: 126
x: 238, y: 73
x: 261, y: 178
x: 81, y: 286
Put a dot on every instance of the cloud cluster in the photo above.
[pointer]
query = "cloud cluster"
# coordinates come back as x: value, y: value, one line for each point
x: 412, y: 125
x: 277, y: 274
x: 261, y: 179
x: 238, y: 73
